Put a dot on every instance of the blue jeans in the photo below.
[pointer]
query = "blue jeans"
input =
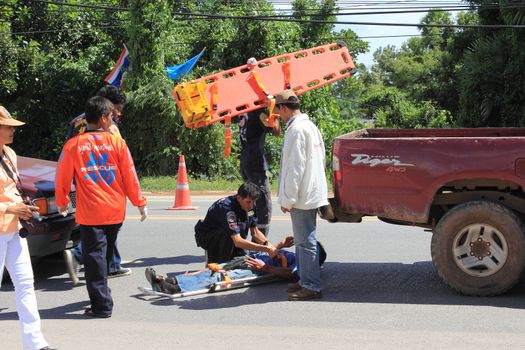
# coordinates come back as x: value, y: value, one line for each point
x: 304, y: 224
x: 114, y: 265
x: 204, y: 279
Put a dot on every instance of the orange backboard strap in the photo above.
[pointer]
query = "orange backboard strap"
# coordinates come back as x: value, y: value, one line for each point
x: 286, y: 72
x: 227, y: 136
x: 255, y: 75
x: 219, y: 269
x: 273, y: 116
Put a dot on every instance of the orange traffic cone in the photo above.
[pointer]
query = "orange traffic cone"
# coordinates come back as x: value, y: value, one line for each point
x: 182, y: 195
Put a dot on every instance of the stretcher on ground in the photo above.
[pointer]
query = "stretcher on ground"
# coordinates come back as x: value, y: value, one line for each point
x: 216, y: 287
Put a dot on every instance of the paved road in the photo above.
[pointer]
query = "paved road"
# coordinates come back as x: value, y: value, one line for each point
x: 380, y: 292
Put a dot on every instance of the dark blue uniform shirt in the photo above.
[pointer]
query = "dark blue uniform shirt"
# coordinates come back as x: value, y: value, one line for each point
x: 252, y: 135
x: 227, y: 214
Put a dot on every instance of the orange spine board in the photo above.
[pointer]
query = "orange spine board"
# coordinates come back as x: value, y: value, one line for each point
x: 236, y: 91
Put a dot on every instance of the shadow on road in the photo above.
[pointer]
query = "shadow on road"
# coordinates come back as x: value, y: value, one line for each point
x: 260, y: 294
x: 398, y: 283
x: 392, y: 283
x: 47, y: 270
x: 65, y: 312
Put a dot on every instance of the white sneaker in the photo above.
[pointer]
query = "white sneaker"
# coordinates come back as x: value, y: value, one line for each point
x: 72, y: 266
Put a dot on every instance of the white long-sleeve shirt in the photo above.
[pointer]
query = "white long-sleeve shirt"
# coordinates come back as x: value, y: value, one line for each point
x: 302, y: 179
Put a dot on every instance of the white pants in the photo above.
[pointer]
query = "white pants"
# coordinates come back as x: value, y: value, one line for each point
x: 14, y: 254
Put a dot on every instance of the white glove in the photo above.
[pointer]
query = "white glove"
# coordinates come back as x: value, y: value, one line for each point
x: 63, y: 211
x: 143, y: 213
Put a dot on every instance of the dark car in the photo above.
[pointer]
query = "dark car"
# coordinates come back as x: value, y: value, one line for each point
x: 52, y: 232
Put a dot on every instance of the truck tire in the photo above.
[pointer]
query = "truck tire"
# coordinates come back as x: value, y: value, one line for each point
x: 478, y: 248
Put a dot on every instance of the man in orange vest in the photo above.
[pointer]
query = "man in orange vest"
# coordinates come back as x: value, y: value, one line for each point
x: 104, y: 174
x: 73, y: 256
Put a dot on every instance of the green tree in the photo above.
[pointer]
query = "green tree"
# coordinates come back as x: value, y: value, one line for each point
x: 424, y: 72
x: 492, y: 79
x: 153, y: 128
x: 9, y: 68
x: 59, y: 52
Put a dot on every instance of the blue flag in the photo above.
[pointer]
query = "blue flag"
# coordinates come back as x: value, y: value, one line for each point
x: 174, y: 72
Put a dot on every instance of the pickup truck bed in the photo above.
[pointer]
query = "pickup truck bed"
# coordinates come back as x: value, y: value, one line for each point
x: 396, y: 174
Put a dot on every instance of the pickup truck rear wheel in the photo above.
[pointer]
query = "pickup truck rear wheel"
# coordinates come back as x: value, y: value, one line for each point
x: 478, y: 248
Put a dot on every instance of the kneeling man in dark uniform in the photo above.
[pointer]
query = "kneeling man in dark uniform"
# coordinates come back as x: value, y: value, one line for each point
x: 224, y: 230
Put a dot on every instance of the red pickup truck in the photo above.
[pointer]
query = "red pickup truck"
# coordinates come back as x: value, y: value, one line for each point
x: 466, y: 185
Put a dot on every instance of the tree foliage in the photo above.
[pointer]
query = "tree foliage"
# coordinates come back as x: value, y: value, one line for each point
x: 492, y: 79
x: 57, y: 54
x: 452, y: 76
x: 423, y: 71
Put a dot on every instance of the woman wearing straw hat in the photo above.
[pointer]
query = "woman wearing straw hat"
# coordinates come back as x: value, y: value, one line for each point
x: 14, y: 254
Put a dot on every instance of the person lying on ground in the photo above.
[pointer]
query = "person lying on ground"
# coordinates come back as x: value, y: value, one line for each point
x: 255, y: 264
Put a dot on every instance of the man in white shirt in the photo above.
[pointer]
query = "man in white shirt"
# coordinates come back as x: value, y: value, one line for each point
x: 302, y: 190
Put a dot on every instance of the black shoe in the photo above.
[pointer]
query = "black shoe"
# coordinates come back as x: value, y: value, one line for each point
x: 48, y: 348
x: 170, y: 288
x: 151, y: 276
x: 304, y: 294
x: 89, y: 312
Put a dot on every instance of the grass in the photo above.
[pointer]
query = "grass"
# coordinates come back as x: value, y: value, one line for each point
x: 168, y: 184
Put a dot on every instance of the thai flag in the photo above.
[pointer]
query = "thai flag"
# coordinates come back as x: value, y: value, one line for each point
x: 115, y: 77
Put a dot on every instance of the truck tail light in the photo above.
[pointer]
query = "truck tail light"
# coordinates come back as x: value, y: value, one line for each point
x: 337, y: 169
x: 46, y: 206
x: 41, y: 203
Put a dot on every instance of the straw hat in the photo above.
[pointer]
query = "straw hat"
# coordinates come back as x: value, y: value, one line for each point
x: 7, y: 119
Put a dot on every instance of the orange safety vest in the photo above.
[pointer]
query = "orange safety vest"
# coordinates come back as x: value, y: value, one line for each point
x: 105, y: 175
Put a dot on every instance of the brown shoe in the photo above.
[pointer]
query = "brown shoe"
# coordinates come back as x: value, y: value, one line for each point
x: 294, y: 287
x: 304, y: 294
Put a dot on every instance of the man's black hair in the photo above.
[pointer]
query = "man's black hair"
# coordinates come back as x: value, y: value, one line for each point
x: 96, y: 107
x: 249, y: 189
x: 113, y: 94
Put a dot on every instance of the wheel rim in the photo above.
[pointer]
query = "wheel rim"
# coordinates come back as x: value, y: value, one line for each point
x: 480, y: 250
